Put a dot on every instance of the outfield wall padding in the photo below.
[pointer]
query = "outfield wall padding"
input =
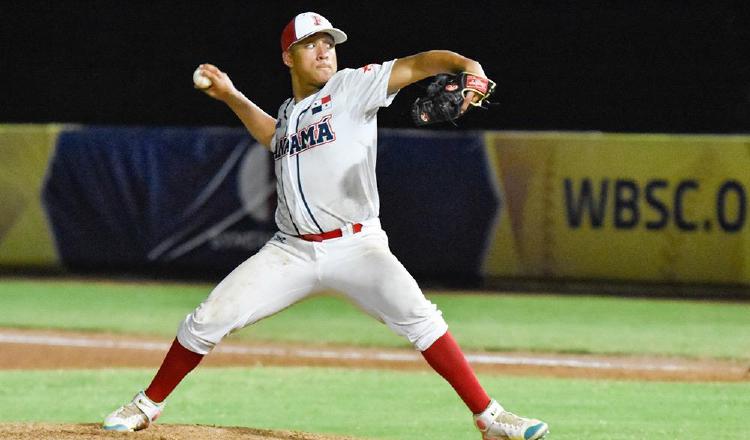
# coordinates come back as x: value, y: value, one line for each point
x: 458, y: 205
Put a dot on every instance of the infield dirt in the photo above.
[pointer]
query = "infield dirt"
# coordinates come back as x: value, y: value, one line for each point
x: 44, y: 350
x: 42, y: 431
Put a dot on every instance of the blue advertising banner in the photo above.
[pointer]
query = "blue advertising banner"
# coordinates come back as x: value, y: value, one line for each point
x: 203, y: 199
x: 438, y: 201
x: 182, y: 198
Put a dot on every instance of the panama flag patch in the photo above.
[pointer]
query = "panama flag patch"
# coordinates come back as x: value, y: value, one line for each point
x: 323, y: 103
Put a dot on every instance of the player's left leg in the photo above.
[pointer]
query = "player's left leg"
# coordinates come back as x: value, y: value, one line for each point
x: 363, y: 268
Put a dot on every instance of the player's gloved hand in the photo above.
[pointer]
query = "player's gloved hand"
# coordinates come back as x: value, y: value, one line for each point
x: 450, y: 96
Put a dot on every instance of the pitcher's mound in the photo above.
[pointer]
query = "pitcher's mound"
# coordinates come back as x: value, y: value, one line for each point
x: 50, y: 431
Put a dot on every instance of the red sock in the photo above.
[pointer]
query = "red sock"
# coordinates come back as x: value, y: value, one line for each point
x: 178, y: 362
x: 446, y: 357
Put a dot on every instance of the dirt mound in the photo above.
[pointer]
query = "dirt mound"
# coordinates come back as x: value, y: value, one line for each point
x: 49, y: 431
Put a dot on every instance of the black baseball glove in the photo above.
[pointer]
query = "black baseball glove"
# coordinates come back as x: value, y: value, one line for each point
x: 446, y: 94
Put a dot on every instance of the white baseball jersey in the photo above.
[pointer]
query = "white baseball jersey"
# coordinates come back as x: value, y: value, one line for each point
x: 325, y: 148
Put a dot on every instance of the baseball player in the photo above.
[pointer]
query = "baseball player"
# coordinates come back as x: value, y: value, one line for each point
x: 324, y: 142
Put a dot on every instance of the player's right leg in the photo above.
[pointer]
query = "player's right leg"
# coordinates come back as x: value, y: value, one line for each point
x: 279, y: 275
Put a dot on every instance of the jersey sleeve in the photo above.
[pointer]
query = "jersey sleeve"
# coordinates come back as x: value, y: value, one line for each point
x: 367, y: 88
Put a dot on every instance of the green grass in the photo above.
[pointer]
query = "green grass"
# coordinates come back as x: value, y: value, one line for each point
x: 566, y: 324
x: 386, y: 405
x: 394, y: 405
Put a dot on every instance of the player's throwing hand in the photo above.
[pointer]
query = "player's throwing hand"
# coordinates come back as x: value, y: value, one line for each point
x: 221, y: 86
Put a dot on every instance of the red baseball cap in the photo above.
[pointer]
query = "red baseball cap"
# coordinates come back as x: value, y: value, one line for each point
x: 306, y: 24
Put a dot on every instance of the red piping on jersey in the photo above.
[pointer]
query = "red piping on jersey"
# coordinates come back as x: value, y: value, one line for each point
x: 336, y: 233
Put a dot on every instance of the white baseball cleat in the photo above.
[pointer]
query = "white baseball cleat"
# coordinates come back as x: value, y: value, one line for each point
x: 496, y: 423
x: 135, y: 415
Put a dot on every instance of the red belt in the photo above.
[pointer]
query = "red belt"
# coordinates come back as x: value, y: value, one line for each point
x: 336, y: 233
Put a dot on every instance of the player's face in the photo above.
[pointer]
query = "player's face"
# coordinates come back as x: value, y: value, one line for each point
x: 314, y: 59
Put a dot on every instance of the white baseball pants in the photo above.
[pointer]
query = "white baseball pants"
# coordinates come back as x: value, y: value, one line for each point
x: 288, y: 269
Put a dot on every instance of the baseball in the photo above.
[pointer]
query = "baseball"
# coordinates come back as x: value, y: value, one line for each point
x: 199, y: 80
